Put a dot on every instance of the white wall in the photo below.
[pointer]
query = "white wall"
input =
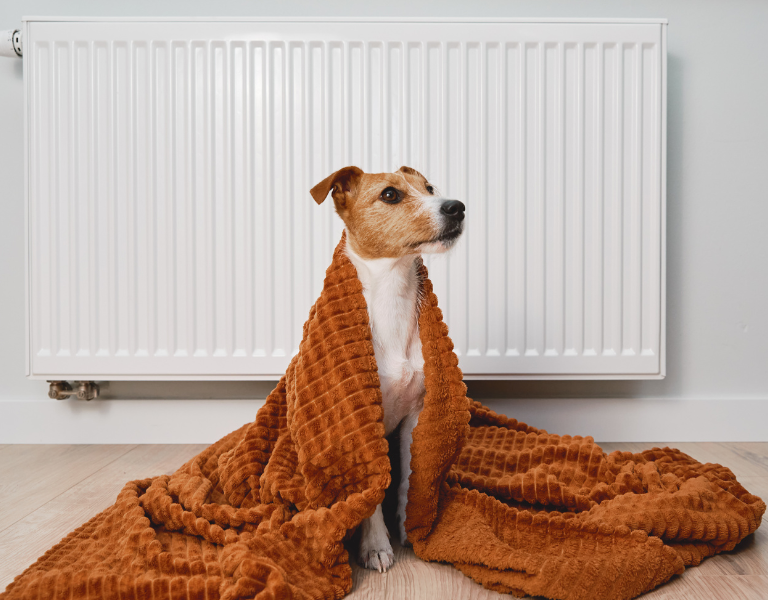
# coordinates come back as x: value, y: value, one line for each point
x: 717, y: 285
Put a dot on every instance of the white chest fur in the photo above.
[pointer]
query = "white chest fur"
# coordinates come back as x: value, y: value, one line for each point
x: 390, y: 288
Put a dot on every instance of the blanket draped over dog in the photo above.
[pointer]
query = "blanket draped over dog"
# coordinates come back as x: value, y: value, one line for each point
x: 264, y: 512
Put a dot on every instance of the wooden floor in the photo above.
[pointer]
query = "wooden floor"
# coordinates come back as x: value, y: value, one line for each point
x: 47, y: 491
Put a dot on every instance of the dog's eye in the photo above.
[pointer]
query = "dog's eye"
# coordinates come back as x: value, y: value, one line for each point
x: 430, y: 189
x: 390, y: 195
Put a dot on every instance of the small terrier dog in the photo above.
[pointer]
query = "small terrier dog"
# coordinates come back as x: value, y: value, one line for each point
x: 391, y: 219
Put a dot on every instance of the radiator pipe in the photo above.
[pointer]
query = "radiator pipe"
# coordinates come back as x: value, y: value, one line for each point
x: 10, y: 43
x: 61, y: 390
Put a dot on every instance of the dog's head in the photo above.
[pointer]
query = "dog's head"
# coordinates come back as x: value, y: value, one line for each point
x: 389, y: 215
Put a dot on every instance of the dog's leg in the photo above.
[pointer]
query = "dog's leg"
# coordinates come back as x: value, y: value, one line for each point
x: 375, y: 549
x: 406, y: 437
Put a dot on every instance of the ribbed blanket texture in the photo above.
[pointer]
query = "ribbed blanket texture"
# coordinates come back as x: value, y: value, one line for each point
x: 265, y: 511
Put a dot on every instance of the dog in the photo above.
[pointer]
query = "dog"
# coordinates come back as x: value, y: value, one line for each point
x: 390, y: 220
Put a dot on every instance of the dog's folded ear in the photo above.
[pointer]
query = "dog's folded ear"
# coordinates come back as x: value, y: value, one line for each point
x: 343, y: 180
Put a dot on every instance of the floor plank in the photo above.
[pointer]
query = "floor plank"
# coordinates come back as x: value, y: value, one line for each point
x: 27, y: 539
x: 411, y: 577
x: 32, y: 475
x: 743, y: 463
x: 754, y: 453
x: 609, y: 447
x: 745, y: 459
x: 738, y: 575
x: 734, y: 587
x: 364, y: 585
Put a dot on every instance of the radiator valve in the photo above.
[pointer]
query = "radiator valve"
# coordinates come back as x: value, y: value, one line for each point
x: 85, y: 390
x: 10, y: 43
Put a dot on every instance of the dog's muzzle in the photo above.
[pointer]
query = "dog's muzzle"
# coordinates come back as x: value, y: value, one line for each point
x: 453, y: 224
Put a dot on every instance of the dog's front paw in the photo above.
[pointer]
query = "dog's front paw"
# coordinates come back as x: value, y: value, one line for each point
x: 377, y: 559
x: 375, y: 549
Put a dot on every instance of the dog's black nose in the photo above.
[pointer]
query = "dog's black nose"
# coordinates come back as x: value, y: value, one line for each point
x: 453, y: 209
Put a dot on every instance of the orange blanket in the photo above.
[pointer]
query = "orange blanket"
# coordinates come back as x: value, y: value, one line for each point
x: 264, y: 512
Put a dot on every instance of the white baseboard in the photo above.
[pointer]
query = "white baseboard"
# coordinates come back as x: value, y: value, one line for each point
x: 204, y: 421
x: 644, y: 419
x: 122, y: 421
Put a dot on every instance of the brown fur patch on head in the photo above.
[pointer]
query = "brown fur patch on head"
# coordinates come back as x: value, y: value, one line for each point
x: 410, y: 171
x: 377, y: 228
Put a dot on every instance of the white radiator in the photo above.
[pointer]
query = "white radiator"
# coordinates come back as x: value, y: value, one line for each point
x: 171, y: 234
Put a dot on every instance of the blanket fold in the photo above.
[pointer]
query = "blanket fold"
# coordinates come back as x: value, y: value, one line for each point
x: 265, y: 511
